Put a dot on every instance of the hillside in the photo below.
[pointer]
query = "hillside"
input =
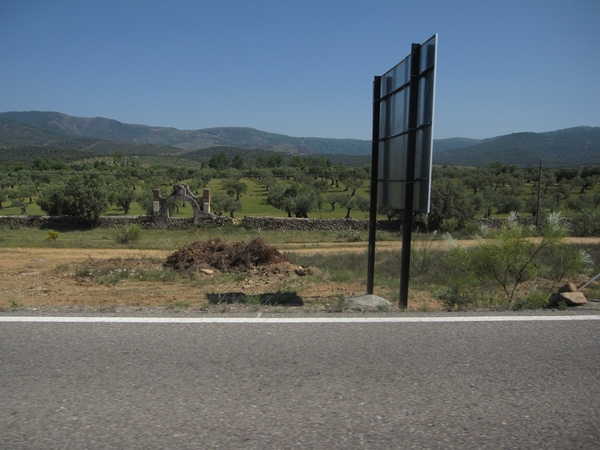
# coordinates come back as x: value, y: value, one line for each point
x: 14, y: 134
x: 100, y: 136
x: 52, y: 126
x: 570, y: 147
x: 29, y: 154
x: 442, y: 145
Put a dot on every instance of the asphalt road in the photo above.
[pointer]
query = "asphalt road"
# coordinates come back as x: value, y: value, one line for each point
x: 496, y: 385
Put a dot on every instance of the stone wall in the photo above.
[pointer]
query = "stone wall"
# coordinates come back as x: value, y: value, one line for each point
x: 288, y: 223
x: 259, y: 223
x: 74, y: 223
x: 495, y: 222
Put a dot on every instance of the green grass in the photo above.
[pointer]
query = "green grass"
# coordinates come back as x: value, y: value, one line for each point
x: 32, y: 209
x: 254, y: 202
x: 168, y: 239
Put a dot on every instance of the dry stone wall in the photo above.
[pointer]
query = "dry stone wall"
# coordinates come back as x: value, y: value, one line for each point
x: 259, y: 223
x: 70, y: 222
x: 288, y: 223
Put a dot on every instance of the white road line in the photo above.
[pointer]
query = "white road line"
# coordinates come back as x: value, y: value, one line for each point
x: 292, y: 320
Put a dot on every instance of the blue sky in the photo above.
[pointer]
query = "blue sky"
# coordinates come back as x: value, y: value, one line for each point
x: 303, y: 67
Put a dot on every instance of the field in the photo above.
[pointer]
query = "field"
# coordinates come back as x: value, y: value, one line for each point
x: 87, y: 270
x: 254, y: 203
x: 106, y: 279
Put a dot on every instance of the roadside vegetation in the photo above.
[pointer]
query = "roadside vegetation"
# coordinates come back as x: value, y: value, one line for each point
x: 512, y: 268
x: 515, y: 267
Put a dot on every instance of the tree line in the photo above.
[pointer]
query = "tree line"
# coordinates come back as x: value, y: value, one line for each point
x: 298, y: 186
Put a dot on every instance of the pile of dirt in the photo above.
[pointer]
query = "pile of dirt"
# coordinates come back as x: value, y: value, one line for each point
x: 216, y: 254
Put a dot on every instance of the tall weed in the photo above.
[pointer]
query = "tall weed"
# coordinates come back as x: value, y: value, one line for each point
x: 423, y: 257
x: 129, y: 235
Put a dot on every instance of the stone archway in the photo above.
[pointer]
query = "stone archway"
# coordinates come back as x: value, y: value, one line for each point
x: 200, y: 206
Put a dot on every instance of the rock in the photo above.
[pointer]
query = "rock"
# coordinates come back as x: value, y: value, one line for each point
x: 367, y: 302
x: 569, y: 298
x: 302, y: 271
x: 207, y: 271
x: 573, y: 298
x: 569, y: 287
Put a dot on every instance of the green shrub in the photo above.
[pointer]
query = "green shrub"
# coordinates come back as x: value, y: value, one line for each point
x: 423, y: 257
x: 129, y: 235
x: 511, y: 256
x: 449, y: 225
x: 459, y: 294
x: 535, y: 300
x: 589, y: 225
x: 564, y: 260
x: 52, y: 235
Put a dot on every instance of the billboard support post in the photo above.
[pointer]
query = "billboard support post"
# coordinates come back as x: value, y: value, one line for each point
x: 410, y: 173
x: 374, y: 183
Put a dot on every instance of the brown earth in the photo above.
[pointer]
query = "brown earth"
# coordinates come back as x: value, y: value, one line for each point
x: 44, y: 277
x: 54, y: 277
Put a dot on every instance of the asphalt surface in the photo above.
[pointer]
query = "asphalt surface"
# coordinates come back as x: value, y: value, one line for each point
x: 495, y: 385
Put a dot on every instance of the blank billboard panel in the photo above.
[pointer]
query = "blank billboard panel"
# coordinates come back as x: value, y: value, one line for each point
x: 394, y: 128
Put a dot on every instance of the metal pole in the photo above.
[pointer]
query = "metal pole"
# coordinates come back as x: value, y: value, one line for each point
x: 415, y: 60
x: 539, y: 197
x: 374, y: 183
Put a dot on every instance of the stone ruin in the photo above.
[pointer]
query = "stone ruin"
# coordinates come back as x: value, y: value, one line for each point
x: 200, y: 206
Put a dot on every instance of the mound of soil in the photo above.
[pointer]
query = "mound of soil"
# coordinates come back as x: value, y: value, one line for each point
x: 242, y: 256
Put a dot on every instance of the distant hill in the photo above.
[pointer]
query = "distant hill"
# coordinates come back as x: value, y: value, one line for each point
x: 29, y: 154
x: 563, y: 148
x: 442, y: 145
x: 98, y: 136
x: 53, y: 126
x: 204, y: 155
x: 15, y: 134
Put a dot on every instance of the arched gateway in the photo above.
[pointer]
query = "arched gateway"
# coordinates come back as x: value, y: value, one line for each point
x: 200, y: 206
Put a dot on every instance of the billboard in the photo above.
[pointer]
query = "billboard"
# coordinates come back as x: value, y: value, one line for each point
x: 405, y: 122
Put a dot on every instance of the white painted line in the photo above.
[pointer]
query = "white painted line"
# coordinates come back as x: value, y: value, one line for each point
x: 254, y: 320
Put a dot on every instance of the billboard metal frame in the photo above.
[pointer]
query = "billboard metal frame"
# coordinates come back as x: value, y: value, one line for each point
x: 401, y: 154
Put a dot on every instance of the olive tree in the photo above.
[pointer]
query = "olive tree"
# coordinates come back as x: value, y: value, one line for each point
x: 80, y: 195
x: 298, y: 199
x: 448, y: 201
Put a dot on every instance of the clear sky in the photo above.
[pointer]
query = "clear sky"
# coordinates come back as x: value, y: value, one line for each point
x: 301, y: 67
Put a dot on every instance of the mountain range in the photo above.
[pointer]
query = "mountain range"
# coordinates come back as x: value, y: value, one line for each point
x: 563, y: 148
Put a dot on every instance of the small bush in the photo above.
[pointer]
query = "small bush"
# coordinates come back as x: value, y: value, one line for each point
x: 129, y: 235
x: 52, y: 235
x: 588, y: 225
x: 423, y: 257
x: 473, y: 229
x: 535, y: 300
x: 564, y: 260
x: 449, y: 225
x: 459, y: 293
x: 349, y: 236
x: 511, y: 256
x: 255, y: 300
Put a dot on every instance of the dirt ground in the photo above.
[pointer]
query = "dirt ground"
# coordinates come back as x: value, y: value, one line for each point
x: 54, y: 277
x: 41, y: 278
